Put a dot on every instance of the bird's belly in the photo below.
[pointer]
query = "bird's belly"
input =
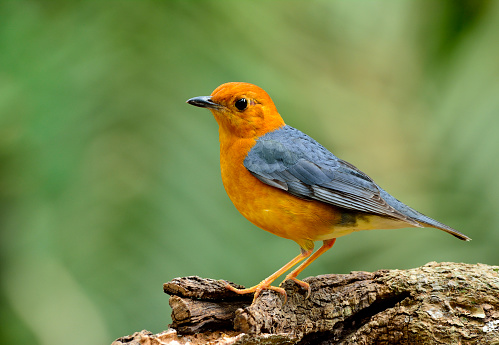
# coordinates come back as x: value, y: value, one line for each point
x: 287, y: 216
x: 281, y: 213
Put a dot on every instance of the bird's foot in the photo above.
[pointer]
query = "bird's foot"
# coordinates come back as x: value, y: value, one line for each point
x: 257, y: 289
x: 303, y: 284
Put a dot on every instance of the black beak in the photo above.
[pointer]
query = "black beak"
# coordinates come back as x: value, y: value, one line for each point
x: 203, y: 102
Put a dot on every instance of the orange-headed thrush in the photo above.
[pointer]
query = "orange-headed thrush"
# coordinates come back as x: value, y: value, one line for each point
x: 285, y: 182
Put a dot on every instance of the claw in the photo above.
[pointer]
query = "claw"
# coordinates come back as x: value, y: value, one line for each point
x: 257, y: 289
x: 325, y: 246
x: 303, y: 284
x: 265, y: 284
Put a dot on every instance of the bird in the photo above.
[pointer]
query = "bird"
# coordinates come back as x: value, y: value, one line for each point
x: 288, y: 184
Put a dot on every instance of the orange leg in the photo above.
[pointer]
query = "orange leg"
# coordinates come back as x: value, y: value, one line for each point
x: 327, y: 244
x: 265, y: 284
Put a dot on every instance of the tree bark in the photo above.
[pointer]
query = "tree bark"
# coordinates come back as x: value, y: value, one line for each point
x: 439, y: 303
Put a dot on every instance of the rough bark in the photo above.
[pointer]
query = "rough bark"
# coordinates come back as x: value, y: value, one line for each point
x: 439, y: 303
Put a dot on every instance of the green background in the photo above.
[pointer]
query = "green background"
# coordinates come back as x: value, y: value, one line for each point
x: 110, y: 184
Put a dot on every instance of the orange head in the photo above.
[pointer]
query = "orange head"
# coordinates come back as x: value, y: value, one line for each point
x: 241, y: 109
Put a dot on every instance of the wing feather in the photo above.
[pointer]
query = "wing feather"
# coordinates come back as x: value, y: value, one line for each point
x: 292, y: 161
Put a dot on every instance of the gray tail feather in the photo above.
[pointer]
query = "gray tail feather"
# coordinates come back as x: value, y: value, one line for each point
x: 427, y: 221
x: 420, y: 218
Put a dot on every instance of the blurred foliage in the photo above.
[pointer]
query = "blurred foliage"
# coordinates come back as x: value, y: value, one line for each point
x: 110, y: 183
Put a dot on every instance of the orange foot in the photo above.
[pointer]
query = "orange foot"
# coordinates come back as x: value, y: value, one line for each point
x: 265, y: 284
x: 257, y: 289
x: 325, y: 246
x: 303, y: 284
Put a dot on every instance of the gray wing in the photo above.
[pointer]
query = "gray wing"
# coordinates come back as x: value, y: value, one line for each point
x: 292, y: 161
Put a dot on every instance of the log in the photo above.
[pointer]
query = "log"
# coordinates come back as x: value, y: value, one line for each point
x: 439, y: 303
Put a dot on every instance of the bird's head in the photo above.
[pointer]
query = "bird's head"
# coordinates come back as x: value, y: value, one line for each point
x: 241, y: 109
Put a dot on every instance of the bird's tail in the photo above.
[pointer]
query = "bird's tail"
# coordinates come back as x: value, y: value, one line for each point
x: 420, y: 218
x: 436, y: 224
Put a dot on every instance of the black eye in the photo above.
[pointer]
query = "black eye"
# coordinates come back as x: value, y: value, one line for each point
x: 241, y: 104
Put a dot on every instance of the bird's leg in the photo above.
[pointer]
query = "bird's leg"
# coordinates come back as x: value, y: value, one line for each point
x: 327, y: 244
x: 265, y: 284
